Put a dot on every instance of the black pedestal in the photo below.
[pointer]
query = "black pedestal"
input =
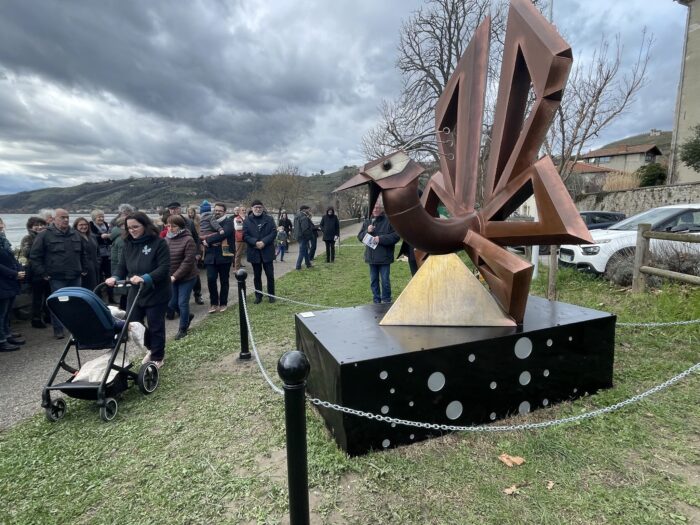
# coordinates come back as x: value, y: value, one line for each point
x: 455, y: 376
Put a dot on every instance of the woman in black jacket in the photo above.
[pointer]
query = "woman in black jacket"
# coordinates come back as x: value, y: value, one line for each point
x: 91, y: 274
x: 10, y: 275
x: 330, y: 226
x: 145, y: 261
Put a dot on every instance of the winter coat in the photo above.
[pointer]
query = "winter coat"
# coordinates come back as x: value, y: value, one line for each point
x: 183, y: 265
x: 92, y: 270
x: 215, y: 253
x: 9, y: 266
x: 330, y: 226
x: 25, y: 248
x: 263, y: 229
x: 304, y: 228
x: 105, y: 245
x: 238, y: 227
x: 148, y: 257
x: 384, y: 252
x: 286, y: 224
x: 58, y: 254
x: 117, y: 245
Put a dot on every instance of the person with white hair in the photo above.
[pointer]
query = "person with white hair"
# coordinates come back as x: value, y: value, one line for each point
x: 47, y: 214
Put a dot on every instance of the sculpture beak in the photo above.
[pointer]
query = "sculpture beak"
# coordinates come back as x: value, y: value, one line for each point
x: 358, y: 180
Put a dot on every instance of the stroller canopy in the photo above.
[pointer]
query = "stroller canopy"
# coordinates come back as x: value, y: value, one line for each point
x: 85, y: 315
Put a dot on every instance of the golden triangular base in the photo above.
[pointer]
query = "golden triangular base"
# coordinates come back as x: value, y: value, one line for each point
x: 445, y: 293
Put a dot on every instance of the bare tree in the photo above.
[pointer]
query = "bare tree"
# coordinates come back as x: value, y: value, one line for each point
x: 431, y: 43
x: 597, y: 93
x: 283, y: 189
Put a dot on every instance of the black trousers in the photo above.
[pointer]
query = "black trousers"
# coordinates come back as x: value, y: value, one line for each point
x: 330, y: 251
x: 269, y: 274
x: 40, y: 291
x: 220, y: 272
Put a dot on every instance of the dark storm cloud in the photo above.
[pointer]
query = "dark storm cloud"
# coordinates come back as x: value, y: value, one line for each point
x: 124, y: 87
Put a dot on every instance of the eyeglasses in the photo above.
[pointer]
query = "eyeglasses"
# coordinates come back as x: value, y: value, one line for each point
x: 134, y: 227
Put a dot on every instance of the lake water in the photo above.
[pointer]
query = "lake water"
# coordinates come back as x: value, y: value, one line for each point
x: 16, y: 225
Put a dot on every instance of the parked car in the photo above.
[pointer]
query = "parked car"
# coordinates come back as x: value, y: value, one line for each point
x: 619, y: 241
x: 600, y: 220
x: 594, y: 220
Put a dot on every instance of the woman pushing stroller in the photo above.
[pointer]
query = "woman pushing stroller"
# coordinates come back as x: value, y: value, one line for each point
x: 145, y: 259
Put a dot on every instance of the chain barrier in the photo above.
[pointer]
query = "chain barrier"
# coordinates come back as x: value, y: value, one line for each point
x: 458, y: 428
x: 510, y: 428
x: 670, y: 323
x: 477, y: 428
x: 293, y: 301
x: 255, y: 351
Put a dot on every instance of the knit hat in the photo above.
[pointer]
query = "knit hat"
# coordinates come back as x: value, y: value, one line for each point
x: 205, y: 207
x: 256, y: 202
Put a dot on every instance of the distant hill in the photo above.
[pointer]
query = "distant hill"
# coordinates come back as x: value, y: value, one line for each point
x: 661, y: 139
x: 155, y: 192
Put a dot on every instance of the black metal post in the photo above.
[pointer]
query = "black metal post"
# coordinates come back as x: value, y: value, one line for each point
x: 241, y: 276
x: 293, y: 367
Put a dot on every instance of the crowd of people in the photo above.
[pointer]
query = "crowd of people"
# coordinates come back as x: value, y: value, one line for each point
x: 161, y: 257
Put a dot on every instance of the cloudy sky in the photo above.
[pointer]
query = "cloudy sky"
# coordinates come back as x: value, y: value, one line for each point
x: 91, y: 90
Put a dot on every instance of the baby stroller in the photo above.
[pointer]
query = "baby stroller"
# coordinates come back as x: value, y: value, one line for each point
x: 93, y: 327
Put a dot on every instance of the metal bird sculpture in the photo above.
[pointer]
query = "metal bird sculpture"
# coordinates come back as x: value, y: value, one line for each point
x: 535, y: 59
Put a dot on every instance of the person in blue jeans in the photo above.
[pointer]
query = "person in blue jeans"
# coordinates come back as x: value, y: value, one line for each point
x: 380, y: 255
x: 183, y: 271
x: 304, y: 230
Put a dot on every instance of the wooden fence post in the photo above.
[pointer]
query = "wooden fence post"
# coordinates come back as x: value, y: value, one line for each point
x: 553, y: 269
x: 641, y: 256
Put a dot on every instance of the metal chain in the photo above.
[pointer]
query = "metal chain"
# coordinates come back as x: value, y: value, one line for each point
x: 293, y: 301
x: 509, y: 428
x: 671, y: 323
x: 255, y: 350
x: 477, y: 428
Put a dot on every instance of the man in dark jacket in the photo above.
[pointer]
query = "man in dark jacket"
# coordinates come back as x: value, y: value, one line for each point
x: 379, y: 253
x: 259, y: 233
x: 304, y: 230
x: 218, y: 262
x: 58, y: 256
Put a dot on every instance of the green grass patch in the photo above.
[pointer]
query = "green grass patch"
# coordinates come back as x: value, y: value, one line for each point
x: 208, y: 445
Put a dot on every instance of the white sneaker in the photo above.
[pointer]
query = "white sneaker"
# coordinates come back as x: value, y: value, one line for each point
x: 223, y: 308
x: 146, y: 358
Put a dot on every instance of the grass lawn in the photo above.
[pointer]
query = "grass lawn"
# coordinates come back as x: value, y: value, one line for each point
x: 208, y: 445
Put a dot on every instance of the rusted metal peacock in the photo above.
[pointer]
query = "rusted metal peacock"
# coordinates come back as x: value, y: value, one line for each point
x: 536, y: 58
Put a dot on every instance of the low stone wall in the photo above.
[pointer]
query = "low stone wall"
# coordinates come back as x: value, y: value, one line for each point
x: 638, y: 200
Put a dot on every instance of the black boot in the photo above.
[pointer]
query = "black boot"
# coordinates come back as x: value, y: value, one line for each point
x: 8, y: 347
x: 16, y: 340
x: 198, y: 299
x: 180, y: 334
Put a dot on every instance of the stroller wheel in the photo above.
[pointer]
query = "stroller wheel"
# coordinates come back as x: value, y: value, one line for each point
x: 56, y: 410
x: 109, y: 411
x: 148, y: 378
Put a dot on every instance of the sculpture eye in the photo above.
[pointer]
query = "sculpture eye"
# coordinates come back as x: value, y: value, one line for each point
x: 391, y: 166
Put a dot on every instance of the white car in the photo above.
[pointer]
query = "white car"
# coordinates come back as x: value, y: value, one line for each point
x: 620, y: 240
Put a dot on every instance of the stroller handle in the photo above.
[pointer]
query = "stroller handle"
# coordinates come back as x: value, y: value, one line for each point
x: 119, y: 284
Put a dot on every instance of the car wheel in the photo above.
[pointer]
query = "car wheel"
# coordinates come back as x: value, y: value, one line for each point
x: 620, y: 267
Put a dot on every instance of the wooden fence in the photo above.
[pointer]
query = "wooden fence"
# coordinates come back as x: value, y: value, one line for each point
x: 641, y: 258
